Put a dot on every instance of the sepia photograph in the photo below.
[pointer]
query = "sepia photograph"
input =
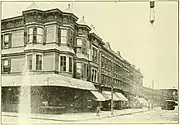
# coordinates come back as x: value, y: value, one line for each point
x: 89, y: 62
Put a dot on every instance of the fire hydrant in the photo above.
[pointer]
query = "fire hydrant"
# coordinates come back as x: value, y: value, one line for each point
x: 98, y: 111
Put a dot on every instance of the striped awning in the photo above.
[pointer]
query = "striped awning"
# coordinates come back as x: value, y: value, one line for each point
x: 107, y: 95
x: 98, y: 95
x: 121, y: 96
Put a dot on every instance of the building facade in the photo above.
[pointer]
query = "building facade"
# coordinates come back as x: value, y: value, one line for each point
x: 69, y: 65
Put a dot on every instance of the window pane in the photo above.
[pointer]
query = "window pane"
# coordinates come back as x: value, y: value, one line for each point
x: 39, y: 38
x: 79, y: 50
x: 78, y: 65
x: 64, y: 40
x: 63, y: 63
x: 38, y: 62
x: 30, y: 30
x: 30, y: 38
x: 6, y: 38
x: 6, y: 63
x: 79, y: 42
x: 70, y: 64
x: 40, y: 31
x: 29, y: 61
x: 63, y: 32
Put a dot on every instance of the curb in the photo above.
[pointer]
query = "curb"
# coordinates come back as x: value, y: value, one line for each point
x: 55, y: 119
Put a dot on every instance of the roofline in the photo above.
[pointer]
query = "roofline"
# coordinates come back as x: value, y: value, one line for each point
x: 12, y: 18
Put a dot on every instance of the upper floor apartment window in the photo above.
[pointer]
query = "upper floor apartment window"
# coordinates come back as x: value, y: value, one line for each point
x: 78, y: 67
x: 70, y: 64
x: 6, y: 65
x: 94, y: 75
x: 35, y: 34
x: 66, y: 37
x: 38, y: 62
x: 63, y: 63
x: 95, y: 55
x: 79, y: 42
x: 29, y: 61
x: 6, y: 40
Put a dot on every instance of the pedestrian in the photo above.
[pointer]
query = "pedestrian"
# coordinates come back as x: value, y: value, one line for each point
x: 98, y: 111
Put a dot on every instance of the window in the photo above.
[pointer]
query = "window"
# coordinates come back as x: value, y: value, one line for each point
x: 79, y: 42
x: 39, y: 35
x: 38, y: 62
x: 35, y: 34
x: 94, y: 75
x: 5, y: 65
x: 63, y: 63
x: 64, y: 35
x: 6, y: 40
x: 78, y: 67
x: 78, y: 50
x: 70, y: 64
x: 94, y: 55
x: 29, y: 62
x: 30, y: 34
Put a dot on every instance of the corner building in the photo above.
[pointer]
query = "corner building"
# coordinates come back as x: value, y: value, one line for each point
x: 70, y: 68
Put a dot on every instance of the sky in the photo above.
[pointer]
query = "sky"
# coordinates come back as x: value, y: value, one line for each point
x: 125, y: 25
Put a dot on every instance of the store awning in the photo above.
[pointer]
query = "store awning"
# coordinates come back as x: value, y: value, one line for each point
x: 121, y: 96
x: 107, y: 95
x: 47, y: 80
x: 98, y: 95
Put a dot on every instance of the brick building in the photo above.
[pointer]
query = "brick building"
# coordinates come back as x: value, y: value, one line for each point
x: 70, y: 67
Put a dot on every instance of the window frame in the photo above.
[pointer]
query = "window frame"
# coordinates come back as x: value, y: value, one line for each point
x: 37, y: 34
x: 41, y: 62
x: 70, y: 64
x: 64, y: 37
x: 63, y: 63
x: 28, y: 65
x: 8, y: 67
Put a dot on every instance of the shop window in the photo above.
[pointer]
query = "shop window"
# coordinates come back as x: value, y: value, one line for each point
x: 38, y: 62
x: 63, y: 63
x: 64, y: 36
x: 6, y: 66
x: 29, y: 61
x: 70, y: 64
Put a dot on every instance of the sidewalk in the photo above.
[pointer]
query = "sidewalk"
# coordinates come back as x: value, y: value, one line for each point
x: 70, y: 117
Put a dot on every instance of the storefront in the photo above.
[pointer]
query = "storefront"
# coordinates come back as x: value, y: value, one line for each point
x: 50, y: 94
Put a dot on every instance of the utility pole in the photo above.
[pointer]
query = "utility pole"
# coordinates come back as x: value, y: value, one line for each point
x: 112, y: 104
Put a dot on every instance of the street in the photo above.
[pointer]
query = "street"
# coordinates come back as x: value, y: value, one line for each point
x: 154, y: 116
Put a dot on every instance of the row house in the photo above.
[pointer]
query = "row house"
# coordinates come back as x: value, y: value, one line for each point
x: 69, y: 65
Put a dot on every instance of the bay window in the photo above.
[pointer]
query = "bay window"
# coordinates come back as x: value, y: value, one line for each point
x: 79, y: 42
x: 38, y: 62
x: 63, y: 63
x: 35, y: 34
x: 78, y: 68
x: 70, y: 64
x: 29, y: 61
x: 64, y: 36
x: 30, y: 34
x: 39, y: 35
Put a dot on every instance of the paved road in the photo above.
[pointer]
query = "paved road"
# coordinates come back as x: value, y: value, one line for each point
x: 154, y: 116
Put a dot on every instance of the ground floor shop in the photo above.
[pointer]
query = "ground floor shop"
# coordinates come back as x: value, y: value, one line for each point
x: 58, y: 94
